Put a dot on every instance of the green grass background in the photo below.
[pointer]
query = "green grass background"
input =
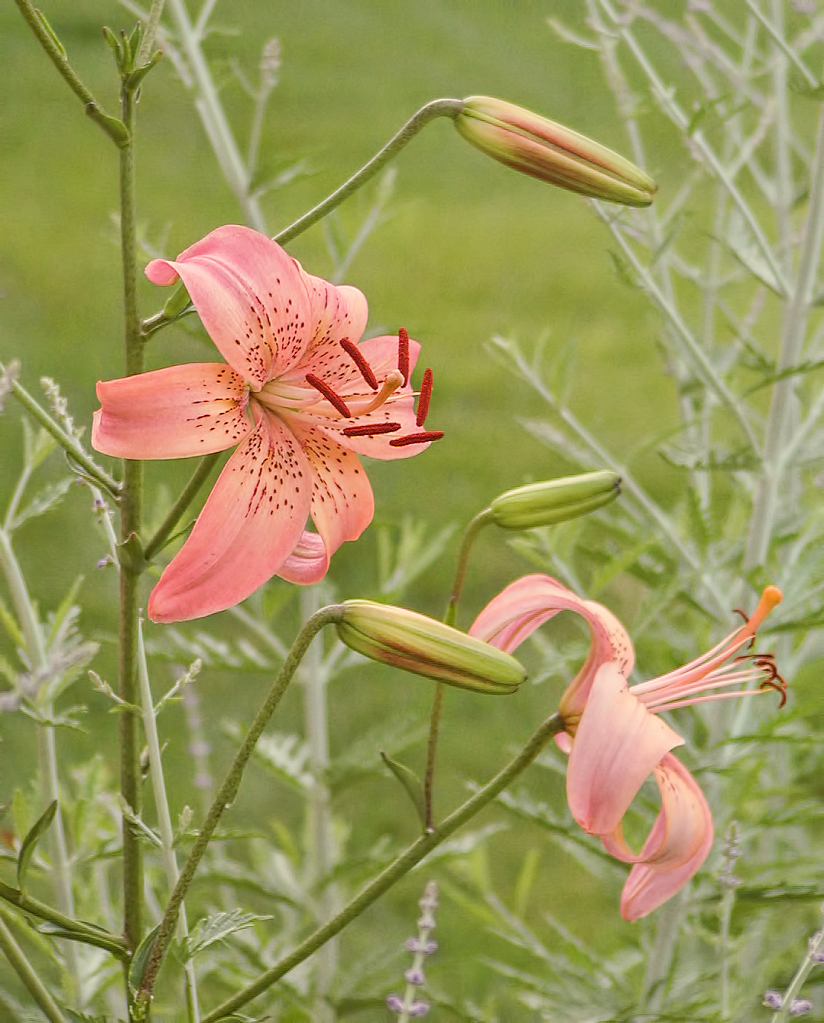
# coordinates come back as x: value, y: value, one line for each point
x: 468, y: 249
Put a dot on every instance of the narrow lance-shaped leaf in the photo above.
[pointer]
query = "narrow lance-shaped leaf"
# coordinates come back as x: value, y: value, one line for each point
x: 30, y: 843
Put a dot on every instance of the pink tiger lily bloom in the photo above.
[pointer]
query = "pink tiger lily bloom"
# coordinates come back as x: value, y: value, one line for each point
x: 615, y: 738
x: 297, y: 395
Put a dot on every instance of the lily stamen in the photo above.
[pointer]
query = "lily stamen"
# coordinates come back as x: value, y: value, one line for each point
x: 403, y: 354
x: 426, y: 437
x: 424, y: 397
x: 356, y: 356
x: 334, y: 399
x: 370, y: 429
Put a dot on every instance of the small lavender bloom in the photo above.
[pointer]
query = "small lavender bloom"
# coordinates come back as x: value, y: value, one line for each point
x: 773, y: 999
x: 414, y: 976
x: 800, y: 1006
x: 419, y: 1008
x: 395, y: 1003
x: 421, y: 945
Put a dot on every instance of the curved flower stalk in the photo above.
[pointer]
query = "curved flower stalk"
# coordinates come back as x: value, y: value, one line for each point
x: 297, y: 395
x: 615, y: 738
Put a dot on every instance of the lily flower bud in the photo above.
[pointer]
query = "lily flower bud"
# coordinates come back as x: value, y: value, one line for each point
x: 547, y: 150
x: 424, y: 646
x: 544, y: 504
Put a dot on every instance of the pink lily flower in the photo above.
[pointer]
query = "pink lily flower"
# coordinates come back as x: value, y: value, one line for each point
x: 615, y: 738
x: 297, y: 395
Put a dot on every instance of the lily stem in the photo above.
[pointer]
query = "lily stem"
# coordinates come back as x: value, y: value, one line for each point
x: 467, y: 540
x: 130, y: 568
x: 76, y: 930
x: 116, y: 130
x: 396, y: 870
x: 228, y: 790
x: 436, y: 108
x: 199, y: 477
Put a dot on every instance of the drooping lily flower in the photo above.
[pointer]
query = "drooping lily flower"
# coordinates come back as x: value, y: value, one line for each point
x: 615, y: 738
x: 298, y: 396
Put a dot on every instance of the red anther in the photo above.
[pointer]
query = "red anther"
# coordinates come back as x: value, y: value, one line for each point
x: 357, y: 357
x: 416, y: 438
x: 370, y: 429
x: 403, y: 355
x: 423, y: 399
x: 329, y: 394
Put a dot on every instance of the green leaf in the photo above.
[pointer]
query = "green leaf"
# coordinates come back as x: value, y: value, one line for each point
x: 41, y: 17
x: 30, y: 843
x: 140, y: 960
x: 411, y: 783
x: 46, y: 499
x: 212, y: 929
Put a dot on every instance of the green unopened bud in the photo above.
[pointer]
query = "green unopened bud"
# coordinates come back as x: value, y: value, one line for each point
x: 547, y: 150
x: 416, y: 643
x: 544, y: 504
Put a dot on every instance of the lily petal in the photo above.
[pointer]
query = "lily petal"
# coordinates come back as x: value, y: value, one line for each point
x: 307, y: 563
x: 336, y: 312
x: 617, y: 745
x: 677, y: 846
x: 342, y: 500
x: 250, y: 296
x: 195, y: 409
x: 520, y: 608
x: 249, y: 527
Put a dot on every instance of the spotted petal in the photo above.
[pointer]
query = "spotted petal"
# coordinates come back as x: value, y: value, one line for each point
x: 250, y: 296
x: 342, y: 501
x: 249, y: 527
x: 677, y: 846
x: 195, y: 409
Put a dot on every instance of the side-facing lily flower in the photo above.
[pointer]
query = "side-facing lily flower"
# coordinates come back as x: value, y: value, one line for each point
x: 615, y: 738
x: 300, y: 399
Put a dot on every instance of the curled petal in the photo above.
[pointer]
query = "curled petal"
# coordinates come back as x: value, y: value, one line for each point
x: 677, y: 846
x: 616, y: 746
x: 178, y: 412
x: 520, y: 608
x: 307, y: 563
x: 249, y: 527
x: 250, y: 296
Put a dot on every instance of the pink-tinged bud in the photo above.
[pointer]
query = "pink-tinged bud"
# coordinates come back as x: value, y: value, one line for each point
x: 547, y: 150
x: 424, y: 646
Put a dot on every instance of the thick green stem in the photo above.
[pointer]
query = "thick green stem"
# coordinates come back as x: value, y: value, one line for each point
x: 228, y: 790
x: 130, y: 524
x: 116, y: 130
x: 437, y: 108
x: 30, y: 978
x: 467, y: 540
x: 199, y: 477
x: 396, y: 870
x: 76, y: 930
